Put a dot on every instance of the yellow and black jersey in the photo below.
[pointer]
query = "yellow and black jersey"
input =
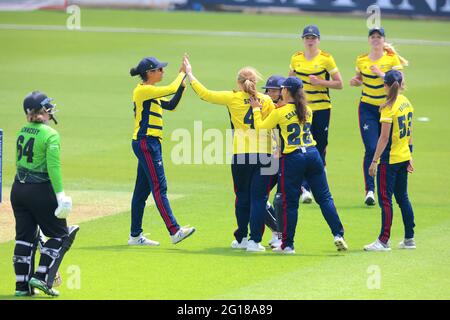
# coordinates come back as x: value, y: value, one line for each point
x: 293, y: 134
x: 245, y: 138
x: 373, y: 85
x: 400, y: 116
x: 322, y: 66
x: 149, y: 102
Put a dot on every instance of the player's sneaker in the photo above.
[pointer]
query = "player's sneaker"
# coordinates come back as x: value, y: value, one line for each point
x: 286, y: 250
x: 340, y: 243
x: 41, y: 285
x: 306, y: 196
x: 377, y: 246
x: 27, y: 293
x: 253, y: 246
x: 141, y: 240
x: 370, y: 199
x: 276, y: 240
x: 182, y: 234
x: 239, y: 245
x: 407, y: 244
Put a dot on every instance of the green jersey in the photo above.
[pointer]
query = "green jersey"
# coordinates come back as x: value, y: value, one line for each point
x: 37, y: 156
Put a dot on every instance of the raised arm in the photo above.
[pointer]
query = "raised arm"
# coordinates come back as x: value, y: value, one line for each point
x: 269, y: 122
x: 217, y: 97
x: 172, y: 104
x: 154, y: 92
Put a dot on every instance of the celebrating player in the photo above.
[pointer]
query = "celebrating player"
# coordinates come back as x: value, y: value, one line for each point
x: 38, y: 200
x: 251, y: 149
x: 273, y: 221
x: 300, y: 159
x: 393, y: 153
x: 318, y: 71
x: 370, y: 71
x: 149, y: 102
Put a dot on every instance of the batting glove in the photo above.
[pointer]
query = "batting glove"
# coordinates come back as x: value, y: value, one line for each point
x: 64, y: 205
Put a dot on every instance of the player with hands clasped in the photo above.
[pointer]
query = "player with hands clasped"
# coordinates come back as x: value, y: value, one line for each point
x: 300, y: 160
x: 38, y: 200
x: 319, y: 73
x: 149, y: 102
x: 370, y: 71
x: 392, y: 162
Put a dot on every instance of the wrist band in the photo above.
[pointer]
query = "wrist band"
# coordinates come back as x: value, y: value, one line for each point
x: 411, y: 148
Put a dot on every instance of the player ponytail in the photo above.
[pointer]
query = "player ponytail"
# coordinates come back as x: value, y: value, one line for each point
x: 392, y: 95
x: 388, y: 47
x: 134, y: 72
x: 300, y: 105
x: 247, y: 79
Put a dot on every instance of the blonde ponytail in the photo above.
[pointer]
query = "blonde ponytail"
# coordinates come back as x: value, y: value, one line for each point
x: 388, y: 47
x: 247, y: 78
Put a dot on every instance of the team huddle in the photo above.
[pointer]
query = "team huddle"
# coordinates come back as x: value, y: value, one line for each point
x: 289, y: 123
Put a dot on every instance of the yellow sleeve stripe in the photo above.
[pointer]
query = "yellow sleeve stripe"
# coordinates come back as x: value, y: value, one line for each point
x: 389, y: 120
x: 397, y: 67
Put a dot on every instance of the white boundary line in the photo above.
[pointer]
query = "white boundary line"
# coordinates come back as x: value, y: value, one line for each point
x: 213, y: 33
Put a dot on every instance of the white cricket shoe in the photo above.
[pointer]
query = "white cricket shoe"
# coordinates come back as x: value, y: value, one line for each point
x: 377, y: 246
x: 239, y: 245
x: 340, y: 243
x: 306, y: 196
x: 276, y: 240
x: 286, y: 250
x: 141, y: 240
x: 407, y: 244
x: 253, y: 246
x: 182, y: 234
x: 370, y: 199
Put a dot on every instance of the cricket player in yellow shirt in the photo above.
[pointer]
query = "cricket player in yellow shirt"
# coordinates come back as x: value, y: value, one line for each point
x: 252, y: 151
x: 370, y: 71
x: 300, y: 160
x: 319, y: 73
x: 392, y: 162
x: 149, y: 102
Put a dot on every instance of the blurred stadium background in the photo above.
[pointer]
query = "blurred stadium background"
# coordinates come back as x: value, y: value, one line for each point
x: 418, y: 8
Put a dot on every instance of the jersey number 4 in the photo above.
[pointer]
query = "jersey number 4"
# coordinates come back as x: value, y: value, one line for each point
x: 25, y: 150
x: 248, y: 119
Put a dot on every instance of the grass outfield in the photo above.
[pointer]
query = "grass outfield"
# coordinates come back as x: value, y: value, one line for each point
x: 87, y: 74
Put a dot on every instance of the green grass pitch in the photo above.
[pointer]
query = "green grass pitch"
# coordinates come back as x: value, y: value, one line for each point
x: 87, y: 74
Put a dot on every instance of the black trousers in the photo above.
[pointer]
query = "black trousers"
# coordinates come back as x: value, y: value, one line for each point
x: 34, y: 205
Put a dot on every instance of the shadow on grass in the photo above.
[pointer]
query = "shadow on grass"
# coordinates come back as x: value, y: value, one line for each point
x: 40, y: 296
x: 220, y: 251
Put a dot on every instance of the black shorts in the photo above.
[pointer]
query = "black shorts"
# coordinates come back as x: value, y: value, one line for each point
x: 34, y: 205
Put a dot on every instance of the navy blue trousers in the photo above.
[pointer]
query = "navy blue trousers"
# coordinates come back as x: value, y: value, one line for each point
x: 392, y: 179
x: 319, y: 130
x: 252, y: 189
x: 150, y: 179
x: 369, y: 125
x: 295, y: 167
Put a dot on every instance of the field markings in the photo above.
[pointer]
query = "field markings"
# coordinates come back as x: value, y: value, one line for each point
x: 87, y: 206
x: 240, y: 34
